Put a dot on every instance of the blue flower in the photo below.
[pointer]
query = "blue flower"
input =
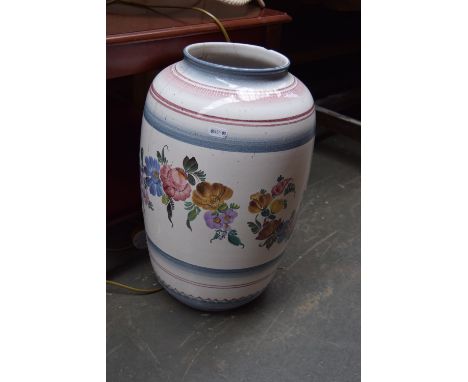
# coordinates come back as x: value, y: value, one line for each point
x: 285, y: 229
x: 152, y: 180
x: 281, y: 232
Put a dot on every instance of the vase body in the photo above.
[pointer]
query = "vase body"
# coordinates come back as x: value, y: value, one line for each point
x: 226, y: 144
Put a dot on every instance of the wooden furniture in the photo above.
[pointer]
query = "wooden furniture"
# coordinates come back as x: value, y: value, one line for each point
x: 139, y: 40
x: 139, y: 44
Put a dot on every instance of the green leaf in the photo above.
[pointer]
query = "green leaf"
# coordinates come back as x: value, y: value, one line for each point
x: 234, y: 239
x: 216, y: 235
x: 234, y: 206
x: 170, y: 207
x: 263, y: 191
x: 190, y: 164
x: 165, y: 199
x: 223, y: 207
x: 266, y: 212
x: 285, y: 203
x: 280, y: 178
x: 200, y: 175
x: 158, y: 155
x: 291, y: 187
x: 191, y: 179
x: 259, y: 225
x: 192, y: 215
x: 163, y: 157
x: 253, y: 227
x: 188, y: 205
x: 268, y: 242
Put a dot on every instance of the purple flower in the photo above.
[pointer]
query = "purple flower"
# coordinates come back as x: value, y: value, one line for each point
x: 213, y: 220
x: 229, y: 216
x: 220, y: 220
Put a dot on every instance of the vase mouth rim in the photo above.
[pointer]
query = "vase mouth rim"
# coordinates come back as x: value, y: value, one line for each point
x: 236, y: 58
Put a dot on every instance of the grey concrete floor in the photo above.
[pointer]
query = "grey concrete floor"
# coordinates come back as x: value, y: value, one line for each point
x: 306, y: 325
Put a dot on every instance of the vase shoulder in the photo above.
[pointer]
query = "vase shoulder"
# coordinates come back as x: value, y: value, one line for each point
x: 180, y: 88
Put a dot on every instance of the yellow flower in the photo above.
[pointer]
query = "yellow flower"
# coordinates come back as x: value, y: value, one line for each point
x: 210, y: 196
x: 258, y: 202
x: 277, y: 206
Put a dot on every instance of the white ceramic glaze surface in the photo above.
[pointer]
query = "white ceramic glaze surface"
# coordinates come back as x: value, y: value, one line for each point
x: 221, y: 199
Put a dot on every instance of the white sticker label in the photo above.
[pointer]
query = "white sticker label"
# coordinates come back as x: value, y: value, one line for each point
x: 217, y: 132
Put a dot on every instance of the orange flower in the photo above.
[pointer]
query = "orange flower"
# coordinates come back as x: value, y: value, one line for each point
x: 277, y: 206
x: 268, y: 229
x: 258, y: 202
x: 210, y: 196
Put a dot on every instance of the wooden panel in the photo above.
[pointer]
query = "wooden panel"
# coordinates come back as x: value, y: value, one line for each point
x: 133, y: 58
x: 139, y: 40
x: 128, y: 26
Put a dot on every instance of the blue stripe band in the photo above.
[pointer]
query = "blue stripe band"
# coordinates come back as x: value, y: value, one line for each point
x: 226, y: 144
x: 193, y: 267
x: 208, y: 304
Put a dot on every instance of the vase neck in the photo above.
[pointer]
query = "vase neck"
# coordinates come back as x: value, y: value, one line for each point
x: 236, y: 60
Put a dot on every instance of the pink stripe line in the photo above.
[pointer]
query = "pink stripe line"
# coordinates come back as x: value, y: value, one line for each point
x: 232, y: 121
x: 211, y: 286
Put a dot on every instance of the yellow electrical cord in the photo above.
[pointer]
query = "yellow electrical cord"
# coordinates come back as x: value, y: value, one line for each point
x: 130, y: 288
x: 150, y: 7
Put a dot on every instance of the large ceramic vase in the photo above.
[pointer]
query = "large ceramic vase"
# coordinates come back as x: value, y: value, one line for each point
x: 226, y: 145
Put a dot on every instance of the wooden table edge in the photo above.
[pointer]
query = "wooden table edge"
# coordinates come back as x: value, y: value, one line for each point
x: 157, y: 34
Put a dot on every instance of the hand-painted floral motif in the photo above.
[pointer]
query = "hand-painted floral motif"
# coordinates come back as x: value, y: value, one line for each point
x: 221, y: 220
x: 281, y: 185
x: 259, y: 201
x: 285, y: 229
x: 268, y: 205
x: 213, y: 220
x: 219, y: 216
x: 146, y: 183
x: 174, y: 184
x: 277, y: 205
x: 152, y: 179
x: 145, y: 199
x: 211, y: 196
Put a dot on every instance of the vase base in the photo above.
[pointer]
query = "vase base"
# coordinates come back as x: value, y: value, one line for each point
x: 208, y: 305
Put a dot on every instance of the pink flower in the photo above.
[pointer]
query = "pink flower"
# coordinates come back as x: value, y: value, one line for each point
x: 175, y: 182
x: 280, y: 186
